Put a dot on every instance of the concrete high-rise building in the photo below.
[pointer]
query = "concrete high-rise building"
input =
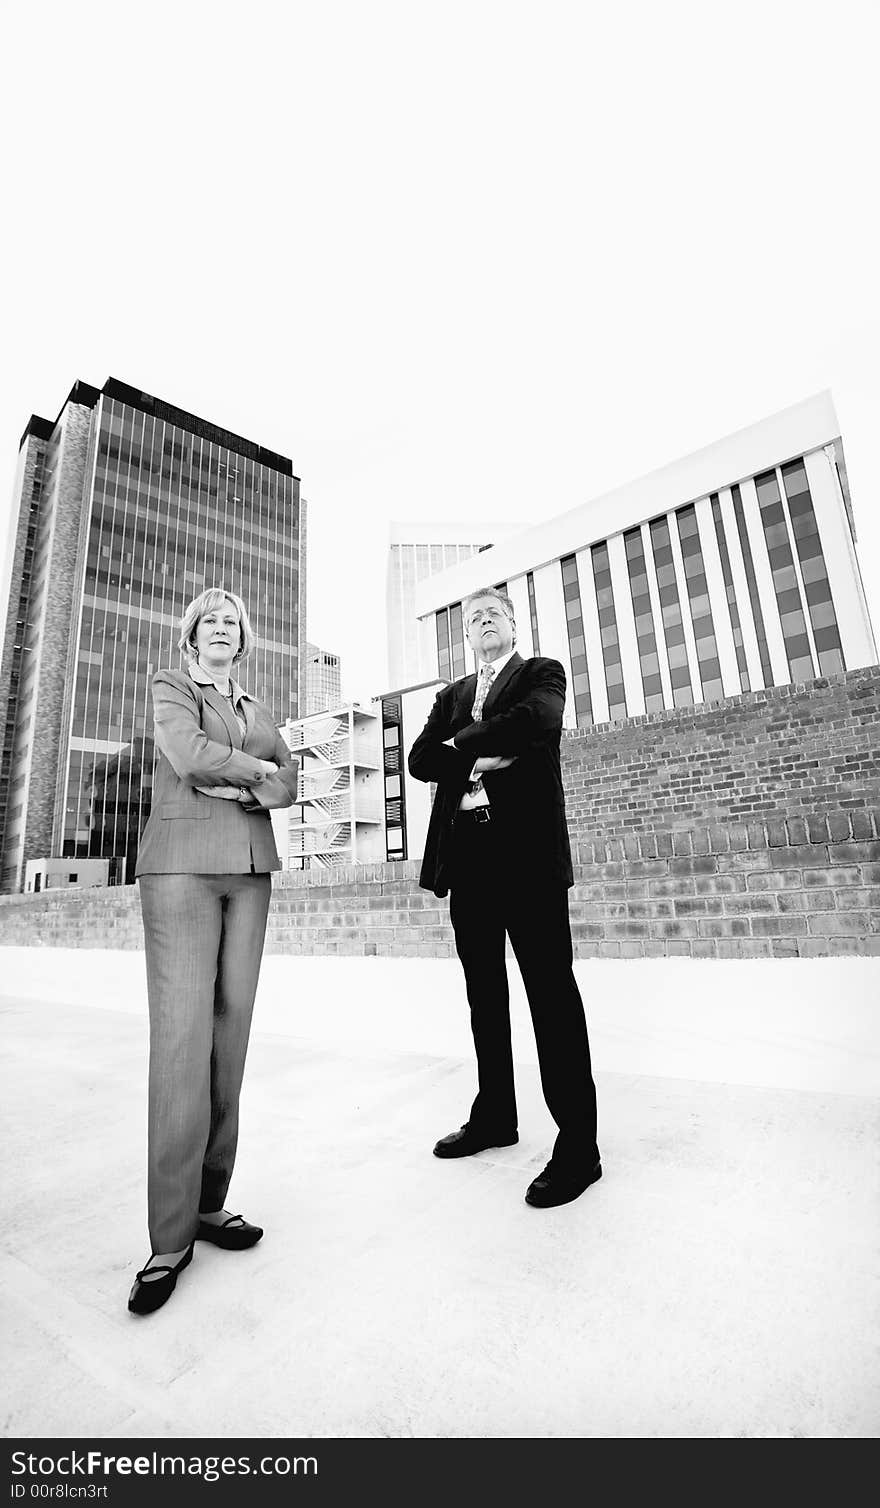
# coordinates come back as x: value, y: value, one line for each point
x: 728, y: 571
x: 415, y: 552
x: 323, y: 680
x: 126, y: 508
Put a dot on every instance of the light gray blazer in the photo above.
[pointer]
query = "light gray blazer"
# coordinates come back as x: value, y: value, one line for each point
x: 200, y: 742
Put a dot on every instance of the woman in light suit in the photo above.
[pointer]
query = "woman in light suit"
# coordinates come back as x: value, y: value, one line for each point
x: 204, y: 870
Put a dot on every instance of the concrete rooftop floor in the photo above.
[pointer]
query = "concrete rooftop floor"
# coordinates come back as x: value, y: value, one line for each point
x: 721, y: 1280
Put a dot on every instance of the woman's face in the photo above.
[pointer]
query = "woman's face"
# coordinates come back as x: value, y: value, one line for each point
x: 218, y: 635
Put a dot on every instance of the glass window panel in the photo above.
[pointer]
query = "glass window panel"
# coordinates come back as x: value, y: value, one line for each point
x: 682, y: 696
x: 818, y: 591
x: 827, y: 638
x: 767, y: 488
x: 776, y: 534
x: 795, y: 478
x: 801, y: 668
x: 813, y: 569
x: 810, y: 547
x: 831, y: 661
x: 677, y: 656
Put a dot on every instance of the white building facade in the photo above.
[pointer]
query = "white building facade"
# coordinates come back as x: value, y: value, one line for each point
x: 730, y: 570
x: 356, y: 802
x: 415, y: 552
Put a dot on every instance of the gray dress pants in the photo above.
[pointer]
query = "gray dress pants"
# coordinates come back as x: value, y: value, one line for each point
x: 203, y: 935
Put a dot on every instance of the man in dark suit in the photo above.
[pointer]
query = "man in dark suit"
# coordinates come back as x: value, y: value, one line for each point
x: 498, y: 843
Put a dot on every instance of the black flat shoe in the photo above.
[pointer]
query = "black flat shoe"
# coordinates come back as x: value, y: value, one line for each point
x: 466, y: 1142
x: 148, y: 1295
x: 231, y: 1236
x: 552, y: 1187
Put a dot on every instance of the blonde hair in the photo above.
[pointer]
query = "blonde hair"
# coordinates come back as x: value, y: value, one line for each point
x: 206, y: 602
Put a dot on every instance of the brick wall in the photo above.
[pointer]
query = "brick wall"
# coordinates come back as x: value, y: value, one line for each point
x: 744, y: 829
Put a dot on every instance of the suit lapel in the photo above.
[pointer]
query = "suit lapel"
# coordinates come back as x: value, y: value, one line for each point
x: 221, y: 705
x: 466, y: 691
x: 502, y: 680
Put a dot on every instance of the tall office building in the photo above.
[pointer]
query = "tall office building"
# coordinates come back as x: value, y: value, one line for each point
x: 415, y: 552
x: 323, y: 680
x: 127, y: 509
x: 728, y: 571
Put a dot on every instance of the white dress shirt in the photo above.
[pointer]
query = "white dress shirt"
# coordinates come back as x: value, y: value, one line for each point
x: 480, y: 797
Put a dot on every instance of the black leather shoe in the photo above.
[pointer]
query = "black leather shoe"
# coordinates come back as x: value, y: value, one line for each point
x: 552, y: 1187
x: 466, y: 1142
x: 235, y: 1234
x: 152, y: 1294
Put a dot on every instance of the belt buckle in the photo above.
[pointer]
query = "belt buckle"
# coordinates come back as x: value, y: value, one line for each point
x: 482, y: 814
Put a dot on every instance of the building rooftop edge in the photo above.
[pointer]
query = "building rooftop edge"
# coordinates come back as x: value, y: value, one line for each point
x: 87, y: 396
x: 778, y: 437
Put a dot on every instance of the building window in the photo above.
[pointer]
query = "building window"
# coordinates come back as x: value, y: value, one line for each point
x: 698, y: 597
x: 670, y: 611
x: 785, y: 582
x: 730, y: 594
x: 608, y: 631
x: 649, y: 660
x: 395, y: 798
x: 72, y: 878
x: 817, y: 587
x: 754, y: 598
x: 444, y: 652
x: 533, y: 613
x: 580, y: 684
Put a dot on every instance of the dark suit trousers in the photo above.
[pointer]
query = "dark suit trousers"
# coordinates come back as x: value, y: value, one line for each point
x: 493, y: 896
x: 204, y: 936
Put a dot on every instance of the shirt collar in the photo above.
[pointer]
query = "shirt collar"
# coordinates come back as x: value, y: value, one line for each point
x: 499, y: 664
x: 202, y: 678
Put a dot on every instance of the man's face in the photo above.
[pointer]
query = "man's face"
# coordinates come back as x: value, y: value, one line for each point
x: 489, y: 629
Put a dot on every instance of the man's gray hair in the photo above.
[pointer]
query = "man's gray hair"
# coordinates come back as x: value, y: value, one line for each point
x: 489, y: 591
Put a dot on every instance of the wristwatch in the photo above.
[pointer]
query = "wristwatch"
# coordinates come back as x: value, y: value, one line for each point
x: 243, y: 793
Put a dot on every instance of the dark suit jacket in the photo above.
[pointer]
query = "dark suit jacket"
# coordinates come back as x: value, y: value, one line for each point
x: 522, y: 715
x: 200, y: 742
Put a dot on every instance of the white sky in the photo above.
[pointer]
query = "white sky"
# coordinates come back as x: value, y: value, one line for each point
x: 483, y: 259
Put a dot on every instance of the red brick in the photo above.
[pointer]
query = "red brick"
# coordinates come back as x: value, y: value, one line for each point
x: 723, y: 926
x: 862, y: 824
x: 719, y: 884
x: 675, y: 928
x: 839, y: 923
x: 682, y: 885
x: 794, y: 858
x: 854, y: 853
x: 834, y: 877
x: 775, y: 879
x: 806, y: 900
x: 702, y: 864
x: 778, y: 926
x: 839, y: 826
x: 749, y: 905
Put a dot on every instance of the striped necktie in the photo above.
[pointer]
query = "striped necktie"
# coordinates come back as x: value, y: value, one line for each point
x: 484, y: 681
